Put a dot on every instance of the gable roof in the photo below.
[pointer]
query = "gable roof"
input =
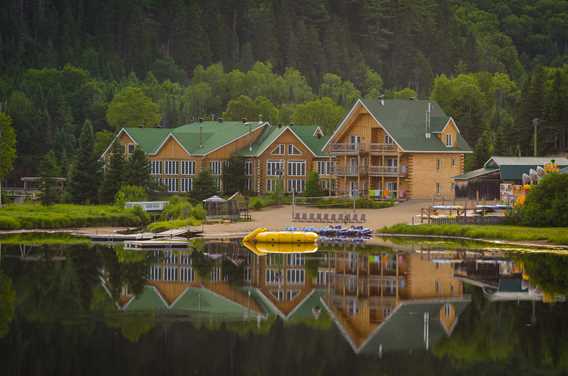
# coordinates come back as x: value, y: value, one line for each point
x: 403, y: 329
x: 199, y: 138
x: 404, y: 120
x: 513, y: 168
x: 304, y: 133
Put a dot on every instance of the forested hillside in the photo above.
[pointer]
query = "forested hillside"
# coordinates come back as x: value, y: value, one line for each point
x: 493, y: 65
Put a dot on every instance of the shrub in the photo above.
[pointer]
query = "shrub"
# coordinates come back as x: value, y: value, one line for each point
x: 173, y: 224
x: 177, y: 208
x: 130, y: 193
x: 546, y: 203
x: 141, y: 214
x: 198, y: 212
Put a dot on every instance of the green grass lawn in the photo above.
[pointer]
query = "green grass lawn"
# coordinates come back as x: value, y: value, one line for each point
x: 33, y: 216
x: 554, y: 235
x: 43, y: 239
x: 173, y: 224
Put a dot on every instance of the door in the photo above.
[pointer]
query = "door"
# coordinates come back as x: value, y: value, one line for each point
x: 353, y: 166
x: 392, y: 188
x: 353, y: 189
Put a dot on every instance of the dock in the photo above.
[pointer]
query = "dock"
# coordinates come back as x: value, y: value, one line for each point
x: 173, y: 243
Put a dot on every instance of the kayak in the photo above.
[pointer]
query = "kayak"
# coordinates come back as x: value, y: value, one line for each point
x: 263, y: 249
x: 262, y: 235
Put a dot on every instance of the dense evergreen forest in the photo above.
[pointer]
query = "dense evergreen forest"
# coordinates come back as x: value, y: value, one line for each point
x: 493, y: 65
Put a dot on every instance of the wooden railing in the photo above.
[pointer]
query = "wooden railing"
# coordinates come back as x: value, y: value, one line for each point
x: 388, y: 171
x: 382, y: 148
x: 346, y: 148
x: 350, y: 171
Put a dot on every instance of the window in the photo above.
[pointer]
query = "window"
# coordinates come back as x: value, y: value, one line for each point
x: 272, y: 276
x: 187, y: 167
x: 270, y: 185
x: 295, y: 260
x: 155, y: 167
x: 278, y: 150
x: 295, y: 276
x: 131, y: 148
x: 453, y: 163
x: 355, y: 139
x: 218, y: 184
x: 325, y: 167
x: 170, y: 184
x: 438, y: 164
x: 248, y: 184
x: 185, y: 185
x: 437, y: 187
x: 248, y: 167
x: 449, y: 141
x: 327, y: 185
x: 170, y: 273
x: 216, y: 274
x: 186, y: 274
x: 215, y: 167
x: 171, y: 167
x: 274, y: 168
x: 388, y: 139
x: 296, y: 185
x: 292, y: 294
x: 293, y: 150
x: 296, y: 168
x: 447, y: 309
x: 278, y: 294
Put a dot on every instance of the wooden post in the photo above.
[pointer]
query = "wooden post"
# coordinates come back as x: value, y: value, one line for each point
x: 398, y: 174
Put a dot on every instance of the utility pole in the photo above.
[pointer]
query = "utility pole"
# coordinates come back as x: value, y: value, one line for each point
x: 535, y: 126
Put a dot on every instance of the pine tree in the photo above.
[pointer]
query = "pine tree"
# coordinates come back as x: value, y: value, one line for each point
x: 313, y: 188
x: 114, y: 174
x: 138, y: 169
x: 84, y: 179
x: 203, y: 186
x: 50, y: 193
x: 234, y: 178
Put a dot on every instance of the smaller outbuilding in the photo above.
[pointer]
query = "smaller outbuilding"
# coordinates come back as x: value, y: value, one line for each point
x: 498, y: 176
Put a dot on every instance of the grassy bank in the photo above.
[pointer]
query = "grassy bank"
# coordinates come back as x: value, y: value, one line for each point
x: 173, y: 224
x: 32, y: 216
x: 554, y: 235
x: 34, y: 239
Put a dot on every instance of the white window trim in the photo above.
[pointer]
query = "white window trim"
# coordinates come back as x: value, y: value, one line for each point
x: 291, y: 148
x: 216, y: 167
x: 279, y: 162
x: 450, y: 138
x: 296, y: 168
x: 279, y: 150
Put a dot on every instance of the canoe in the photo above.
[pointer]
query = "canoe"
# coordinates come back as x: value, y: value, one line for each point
x: 263, y: 249
x: 262, y: 235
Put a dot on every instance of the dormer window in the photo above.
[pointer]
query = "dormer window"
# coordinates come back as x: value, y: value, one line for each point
x: 293, y: 150
x: 449, y: 140
x: 131, y: 148
x: 278, y: 150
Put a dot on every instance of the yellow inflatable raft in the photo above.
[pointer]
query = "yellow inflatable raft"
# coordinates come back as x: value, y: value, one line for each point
x: 262, y: 235
x: 263, y: 249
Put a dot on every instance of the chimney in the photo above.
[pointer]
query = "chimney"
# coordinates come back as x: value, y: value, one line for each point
x: 428, y: 116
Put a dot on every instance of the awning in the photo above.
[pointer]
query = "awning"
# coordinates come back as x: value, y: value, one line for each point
x: 476, y: 173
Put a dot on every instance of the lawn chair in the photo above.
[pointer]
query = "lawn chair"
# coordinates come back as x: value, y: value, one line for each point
x: 347, y: 218
x: 363, y: 218
x: 355, y: 218
x: 340, y: 218
x: 325, y: 218
x: 333, y: 219
x: 296, y: 217
x: 304, y: 217
x: 318, y: 218
x: 312, y: 217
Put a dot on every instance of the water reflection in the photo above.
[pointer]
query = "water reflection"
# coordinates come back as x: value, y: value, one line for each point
x: 379, y: 300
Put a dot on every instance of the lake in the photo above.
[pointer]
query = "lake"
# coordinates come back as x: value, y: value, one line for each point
x: 421, y: 308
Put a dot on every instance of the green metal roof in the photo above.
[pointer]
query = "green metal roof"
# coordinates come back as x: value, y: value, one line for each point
x: 476, y: 173
x: 304, y: 132
x: 148, y: 138
x: 564, y: 170
x: 513, y: 168
x: 148, y: 300
x: 404, y: 329
x: 197, y: 138
x: 405, y: 121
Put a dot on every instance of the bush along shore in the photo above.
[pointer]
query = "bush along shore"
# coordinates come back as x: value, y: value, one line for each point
x: 553, y: 235
x: 34, y: 216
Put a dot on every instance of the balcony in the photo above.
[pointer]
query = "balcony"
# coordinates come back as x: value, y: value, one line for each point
x: 401, y: 171
x: 350, y: 170
x: 375, y: 148
x: 350, y: 148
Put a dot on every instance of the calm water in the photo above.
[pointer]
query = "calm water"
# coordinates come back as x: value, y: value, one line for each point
x: 410, y: 310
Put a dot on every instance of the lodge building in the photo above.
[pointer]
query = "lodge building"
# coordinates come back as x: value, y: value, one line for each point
x: 389, y: 148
